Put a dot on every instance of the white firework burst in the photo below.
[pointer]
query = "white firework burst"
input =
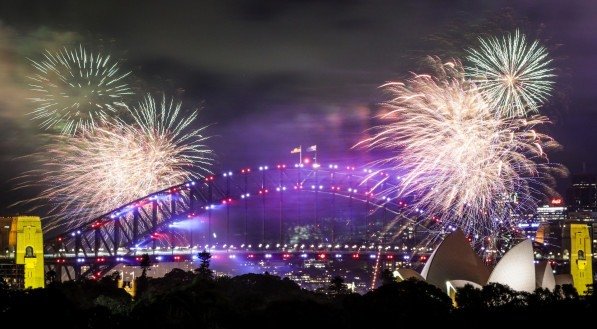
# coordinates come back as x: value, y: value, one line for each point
x: 104, y: 167
x: 513, y: 75
x: 74, y: 89
x: 463, y: 163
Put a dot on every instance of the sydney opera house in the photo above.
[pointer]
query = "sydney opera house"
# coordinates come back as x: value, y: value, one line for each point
x: 454, y: 264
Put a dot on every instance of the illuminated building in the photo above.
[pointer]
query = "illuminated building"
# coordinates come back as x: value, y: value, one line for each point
x: 555, y: 211
x: 582, y: 207
x: 516, y: 269
x: 454, y: 264
x: 582, y: 215
x: 544, y: 276
x: 22, y: 258
x: 582, y: 195
x: 542, y: 226
x: 549, y: 221
x: 402, y: 274
x: 549, y: 234
x: 529, y: 229
x: 577, y: 244
x: 454, y: 259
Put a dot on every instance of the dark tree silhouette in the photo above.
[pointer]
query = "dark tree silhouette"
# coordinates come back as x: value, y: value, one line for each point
x: 203, y: 271
x: 569, y: 292
x: 181, y: 300
x: 142, y: 283
x: 498, y: 295
x: 111, y: 279
x: 543, y: 297
x: 3, y: 284
x: 387, y: 277
x: 145, y: 264
x: 469, y: 298
x: 337, y: 286
x: 51, y: 276
x: 409, y: 299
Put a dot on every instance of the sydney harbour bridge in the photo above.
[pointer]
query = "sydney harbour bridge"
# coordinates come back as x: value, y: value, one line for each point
x: 268, y: 212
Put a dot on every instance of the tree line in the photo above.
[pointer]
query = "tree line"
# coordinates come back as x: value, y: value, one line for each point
x: 197, y: 299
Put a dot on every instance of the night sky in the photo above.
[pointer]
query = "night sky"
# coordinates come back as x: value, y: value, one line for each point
x: 270, y: 75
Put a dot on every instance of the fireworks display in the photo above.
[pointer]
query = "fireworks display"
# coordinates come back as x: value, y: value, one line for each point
x: 513, y: 75
x: 75, y: 89
x: 464, y: 165
x: 103, y: 168
x: 463, y: 140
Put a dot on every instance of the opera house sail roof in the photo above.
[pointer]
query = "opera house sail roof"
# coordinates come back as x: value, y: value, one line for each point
x: 517, y: 268
x: 454, y: 259
x: 454, y: 264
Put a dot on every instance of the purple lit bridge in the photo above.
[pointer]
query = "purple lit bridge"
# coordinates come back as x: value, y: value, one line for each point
x: 264, y: 213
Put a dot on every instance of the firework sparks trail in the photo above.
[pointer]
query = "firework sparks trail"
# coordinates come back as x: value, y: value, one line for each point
x: 75, y: 89
x: 463, y: 163
x: 514, y: 76
x: 104, y: 167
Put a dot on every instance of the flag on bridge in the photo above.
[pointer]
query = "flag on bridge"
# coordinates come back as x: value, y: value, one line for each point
x: 299, y: 150
x: 312, y: 148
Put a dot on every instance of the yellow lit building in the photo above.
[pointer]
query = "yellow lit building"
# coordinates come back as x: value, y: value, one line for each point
x: 21, y: 246
x: 581, y: 256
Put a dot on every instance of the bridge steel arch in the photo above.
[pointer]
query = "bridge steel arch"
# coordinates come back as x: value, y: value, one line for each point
x: 94, y: 248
